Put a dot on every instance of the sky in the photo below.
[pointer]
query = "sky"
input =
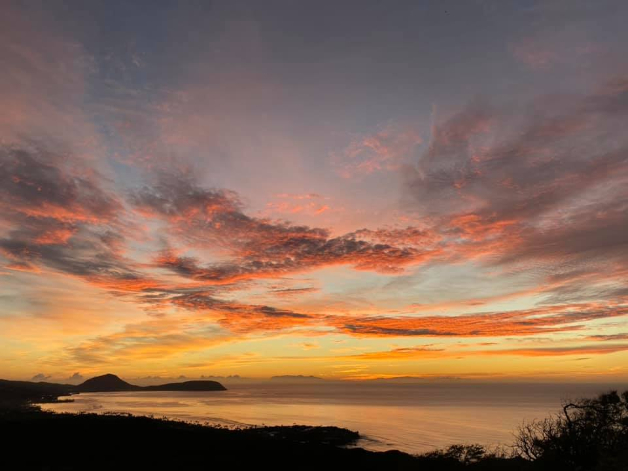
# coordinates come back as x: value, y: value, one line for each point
x: 346, y: 189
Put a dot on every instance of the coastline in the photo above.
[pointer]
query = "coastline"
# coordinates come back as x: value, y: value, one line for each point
x: 37, y: 439
x: 34, y: 439
x: 415, y: 419
x: 45, y: 440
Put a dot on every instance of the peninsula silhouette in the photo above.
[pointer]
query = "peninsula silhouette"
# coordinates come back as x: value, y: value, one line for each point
x: 49, y: 392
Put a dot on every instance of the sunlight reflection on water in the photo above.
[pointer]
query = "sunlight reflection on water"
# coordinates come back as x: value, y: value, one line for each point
x: 408, y: 417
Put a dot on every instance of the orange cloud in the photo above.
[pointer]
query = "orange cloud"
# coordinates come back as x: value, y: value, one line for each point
x: 424, y: 352
x: 244, y: 318
x: 514, y: 323
x: 405, y: 353
x: 309, y: 203
x: 55, y: 236
x: 290, y: 292
x: 262, y: 248
x: 154, y: 339
x: 561, y: 351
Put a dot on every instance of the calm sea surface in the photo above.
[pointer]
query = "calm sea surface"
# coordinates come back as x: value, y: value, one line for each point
x: 408, y: 417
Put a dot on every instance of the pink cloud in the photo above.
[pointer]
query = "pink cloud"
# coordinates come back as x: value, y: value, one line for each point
x: 386, y: 149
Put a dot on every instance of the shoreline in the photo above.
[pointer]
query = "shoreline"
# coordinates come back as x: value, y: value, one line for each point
x: 35, y: 439
x: 411, y: 427
x: 39, y: 439
x: 121, y: 441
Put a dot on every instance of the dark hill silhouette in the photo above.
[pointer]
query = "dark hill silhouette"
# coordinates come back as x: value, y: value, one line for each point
x: 112, y: 383
x: 105, y: 383
x: 49, y: 392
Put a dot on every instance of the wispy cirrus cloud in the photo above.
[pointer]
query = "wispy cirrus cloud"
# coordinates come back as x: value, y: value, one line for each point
x: 543, y: 191
x: 152, y: 339
x: 45, y: 79
x: 290, y: 292
x: 384, y: 150
x: 308, y: 203
x: 423, y: 352
x: 561, y: 318
x: 608, y: 337
x: 58, y: 215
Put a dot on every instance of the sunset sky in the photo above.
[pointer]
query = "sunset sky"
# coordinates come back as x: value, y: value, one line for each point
x: 346, y: 189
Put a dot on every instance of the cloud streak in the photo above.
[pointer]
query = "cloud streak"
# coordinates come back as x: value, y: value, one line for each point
x: 414, y: 353
x: 260, y: 248
x: 562, y: 318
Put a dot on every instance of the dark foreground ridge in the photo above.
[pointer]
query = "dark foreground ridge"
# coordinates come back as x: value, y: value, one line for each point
x: 588, y: 435
x: 38, y: 440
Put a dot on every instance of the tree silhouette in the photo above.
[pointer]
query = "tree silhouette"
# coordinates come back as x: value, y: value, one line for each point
x: 588, y: 434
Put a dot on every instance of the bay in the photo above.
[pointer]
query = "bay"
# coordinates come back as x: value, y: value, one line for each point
x: 414, y: 417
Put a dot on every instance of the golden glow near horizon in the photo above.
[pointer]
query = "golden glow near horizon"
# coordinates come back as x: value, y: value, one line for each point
x: 240, y: 193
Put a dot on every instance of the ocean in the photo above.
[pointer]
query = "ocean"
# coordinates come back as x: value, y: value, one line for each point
x: 413, y: 417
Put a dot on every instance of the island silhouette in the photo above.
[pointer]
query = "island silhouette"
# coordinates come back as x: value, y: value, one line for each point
x: 112, y: 383
x: 41, y: 392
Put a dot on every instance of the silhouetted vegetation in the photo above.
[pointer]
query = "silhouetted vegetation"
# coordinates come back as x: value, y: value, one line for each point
x: 588, y: 435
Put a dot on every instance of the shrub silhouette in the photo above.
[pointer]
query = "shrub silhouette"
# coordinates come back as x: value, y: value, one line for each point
x: 588, y: 434
x: 464, y: 454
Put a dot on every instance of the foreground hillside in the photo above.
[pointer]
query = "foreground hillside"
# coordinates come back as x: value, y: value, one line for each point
x: 38, y: 440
